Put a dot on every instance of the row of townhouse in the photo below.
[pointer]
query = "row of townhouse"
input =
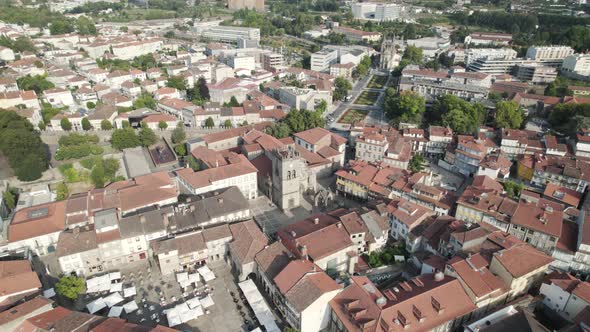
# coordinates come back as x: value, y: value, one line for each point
x: 476, y: 286
x: 364, y: 181
x: 256, y: 109
x: 374, y: 144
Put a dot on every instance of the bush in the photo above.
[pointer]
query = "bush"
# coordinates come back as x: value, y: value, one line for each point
x: 124, y: 139
x: 89, y: 162
x: 106, y: 125
x: 178, y: 134
x: 78, y: 151
x: 76, y: 139
x: 62, y: 191
x: 180, y: 149
x: 86, y: 124
x: 65, y: 124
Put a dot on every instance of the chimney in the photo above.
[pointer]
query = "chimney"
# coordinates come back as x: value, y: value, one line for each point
x: 293, y: 234
x: 439, y: 276
x: 303, y: 251
x: 142, y: 219
x: 316, y: 221
x: 339, y: 225
x: 220, y: 200
x: 192, y: 208
x: 165, y: 219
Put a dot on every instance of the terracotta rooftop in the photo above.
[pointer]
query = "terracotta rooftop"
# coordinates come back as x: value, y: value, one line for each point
x: 37, y: 221
x: 522, y: 259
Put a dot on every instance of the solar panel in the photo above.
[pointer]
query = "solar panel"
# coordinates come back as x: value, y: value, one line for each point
x: 38, y: 213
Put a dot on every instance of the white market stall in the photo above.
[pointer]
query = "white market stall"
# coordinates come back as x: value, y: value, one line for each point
x: 115, y: 311
x: 113, y: 299
x: 49, y: 293
x: 206, y: 273
x: 130, y: 307
x: 96, y: 305
x: 259, y: 305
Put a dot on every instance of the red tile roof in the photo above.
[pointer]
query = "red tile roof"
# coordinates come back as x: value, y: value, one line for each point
x: 37, y: 221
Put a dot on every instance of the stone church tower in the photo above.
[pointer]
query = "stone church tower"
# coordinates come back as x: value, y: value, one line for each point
x: 290, y: 177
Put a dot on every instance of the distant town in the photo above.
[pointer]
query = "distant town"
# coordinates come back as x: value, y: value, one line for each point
x: 308, y: 166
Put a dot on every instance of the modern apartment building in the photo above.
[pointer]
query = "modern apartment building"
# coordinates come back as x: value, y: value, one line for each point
x: 541, y: 53
x: 377, y: 11
x: 321, y: 60
x: 228, y: 33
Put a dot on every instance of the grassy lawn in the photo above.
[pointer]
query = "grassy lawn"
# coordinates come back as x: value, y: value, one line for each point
x: 353, y: 115
x: 377, y: 82
x: 367, y: 98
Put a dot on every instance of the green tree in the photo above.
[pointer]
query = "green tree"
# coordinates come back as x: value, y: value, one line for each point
x: 279, y: 130
x: 65, y: 124
x: 410, y: 31
x: 513, y: 189
x: 203, y: 88
x: 61, y: 27
x: 21, y: 145
x: 125, y: 124
x: 144, y: 100
x: 162, y: 125
x: 169, y: 34
x: 233, y: 102
x: 146, y: 135
x: 416, y: 163
x: 322, y: 107
x: 38, y: 83
x: 461, y: 116
x: 97, y: 175
x: 106, y: 125
x: 86, y: 124
x: 31, y: 168
x: 178, y: 134
x: 227, y: 124
x: 85, y: 26
x: 20, y: 44
x: 413, y: 54
x: 124, y: 138
x: 90, y: 105
x: 9, y: 199
x: 180, y: 149
x: 62, y: 191
x: 124, y: 29
x: 70, y: 287
x: 342, y: 87
x: 209, y: 123
x: 193, y: 163
x: 508, y: 115
x: 41, y: 125
x: 407, y: 107
x: 177, y: 82
x: 551, y: 89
